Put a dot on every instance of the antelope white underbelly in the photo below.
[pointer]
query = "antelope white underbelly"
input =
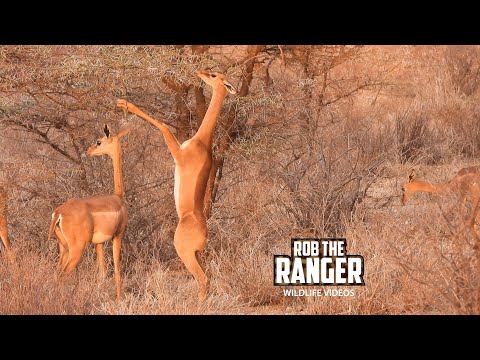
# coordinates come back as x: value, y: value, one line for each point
x: 176, y: 189
x: 99, y: 237
x: 105, y: 225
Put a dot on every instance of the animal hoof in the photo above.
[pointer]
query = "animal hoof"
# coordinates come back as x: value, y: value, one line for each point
x: 202, y: 295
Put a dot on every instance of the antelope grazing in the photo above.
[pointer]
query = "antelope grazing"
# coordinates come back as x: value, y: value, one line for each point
x: 193, y: 162
x: 96, y: 219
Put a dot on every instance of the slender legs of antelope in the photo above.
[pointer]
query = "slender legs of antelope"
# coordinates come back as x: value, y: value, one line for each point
x: 6, y: 243
x: 71, y: 252
x: 3, y: 235
x: 71, y: 246
x: 116, y: 263
x: 74, y: 255
x: 189, y: 240
x: 101, y: 261
x: 63, y: 257
x: 63, y: 251
x: 190, y: 259
x: 170, y: 139
x: 203, y: 281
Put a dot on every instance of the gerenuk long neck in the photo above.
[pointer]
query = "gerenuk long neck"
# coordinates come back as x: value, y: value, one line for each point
x: 117, y: 172
x: 207, y: 128
x: 424, y: 186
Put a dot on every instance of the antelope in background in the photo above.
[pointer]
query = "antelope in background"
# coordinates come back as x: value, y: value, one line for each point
x: 466, y: 182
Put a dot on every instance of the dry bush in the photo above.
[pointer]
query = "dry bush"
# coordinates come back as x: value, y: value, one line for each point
x: 412, y: 137
x: 318, y: 145
x: 459, y: 121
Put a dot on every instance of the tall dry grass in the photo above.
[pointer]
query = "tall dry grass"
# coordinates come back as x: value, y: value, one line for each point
x: 419, y: 259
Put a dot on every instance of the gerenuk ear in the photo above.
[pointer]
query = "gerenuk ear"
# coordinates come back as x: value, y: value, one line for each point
x: 125, y: 130
x: 106, y: 130
x: 230, y: 88
x: 412, y: 175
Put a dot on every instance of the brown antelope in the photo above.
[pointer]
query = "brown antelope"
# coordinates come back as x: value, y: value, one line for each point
x: 466, y: 183
x: 96, y: 219
x: 193, y: 162
x: 3, y: 219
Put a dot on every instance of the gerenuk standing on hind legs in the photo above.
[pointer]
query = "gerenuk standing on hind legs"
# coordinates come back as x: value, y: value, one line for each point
x: 193, y: 162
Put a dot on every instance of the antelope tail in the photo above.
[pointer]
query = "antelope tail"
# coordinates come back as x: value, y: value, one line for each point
x: 55, y: 219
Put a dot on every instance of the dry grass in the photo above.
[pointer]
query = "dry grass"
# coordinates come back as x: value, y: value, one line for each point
x: 418, y: 260
x: 301, y: 164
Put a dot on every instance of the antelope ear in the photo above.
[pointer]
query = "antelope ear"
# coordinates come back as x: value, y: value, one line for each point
x: 106, y: 130
x: 230, y: 88
x: 412, y: 175
x: 125, y: 130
